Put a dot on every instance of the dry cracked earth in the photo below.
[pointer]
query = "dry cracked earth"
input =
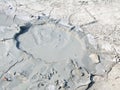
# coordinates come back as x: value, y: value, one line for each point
x: 59, y: 44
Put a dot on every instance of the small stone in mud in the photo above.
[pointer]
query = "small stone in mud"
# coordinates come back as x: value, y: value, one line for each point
x: 94, y: 58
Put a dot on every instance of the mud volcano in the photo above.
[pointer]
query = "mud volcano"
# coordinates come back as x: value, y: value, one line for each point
x: 45, y: 54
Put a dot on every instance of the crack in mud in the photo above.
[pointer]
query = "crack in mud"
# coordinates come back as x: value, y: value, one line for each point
x: 91, y: 83
x: 11, y: 68
x: 23, y: 29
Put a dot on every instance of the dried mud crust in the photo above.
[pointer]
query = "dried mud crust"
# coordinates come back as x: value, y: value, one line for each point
x: 85, y: 28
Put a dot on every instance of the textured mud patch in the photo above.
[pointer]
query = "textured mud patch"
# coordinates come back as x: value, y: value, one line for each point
x: 38, y: 51
x: 56, y: 45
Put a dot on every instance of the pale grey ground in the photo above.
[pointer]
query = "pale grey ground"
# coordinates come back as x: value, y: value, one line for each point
x: 59, y: 45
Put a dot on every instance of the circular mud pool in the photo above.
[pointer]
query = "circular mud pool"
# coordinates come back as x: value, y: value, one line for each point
x: 53, y: 43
